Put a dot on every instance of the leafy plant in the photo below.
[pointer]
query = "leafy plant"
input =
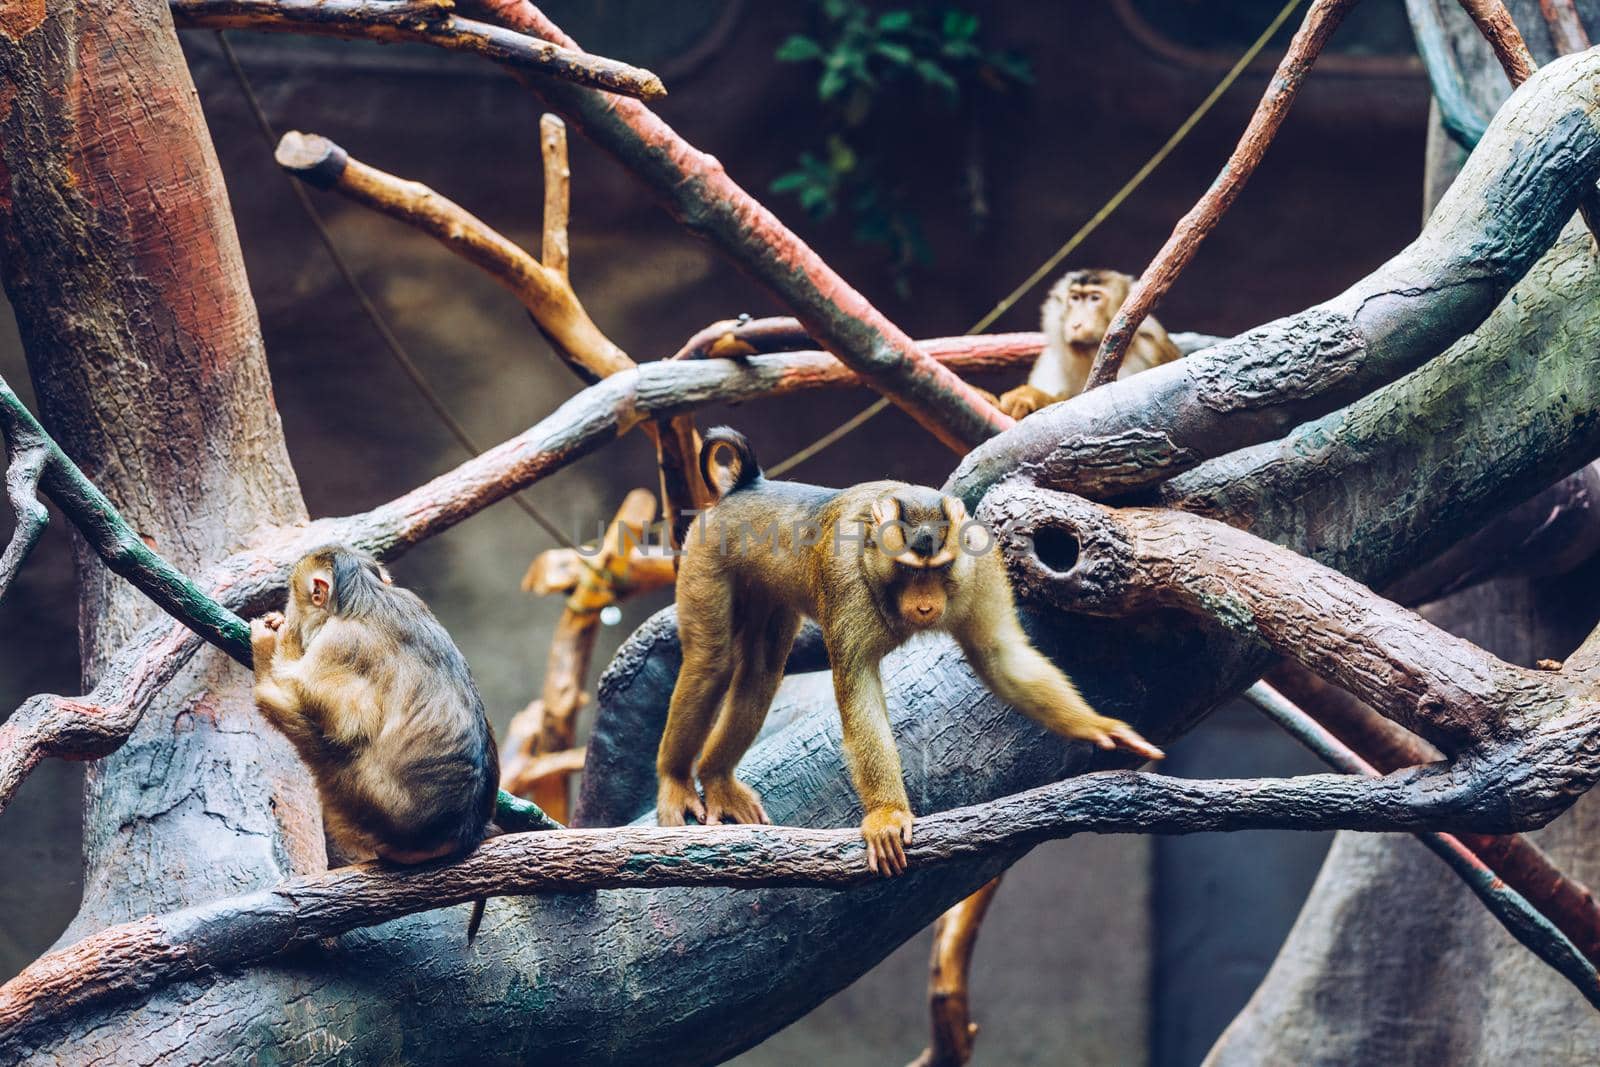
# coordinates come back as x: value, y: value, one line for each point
x: 878, y: 70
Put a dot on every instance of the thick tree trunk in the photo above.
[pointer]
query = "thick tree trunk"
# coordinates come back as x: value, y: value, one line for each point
x: 1392, y: 959
x: 124, y: 268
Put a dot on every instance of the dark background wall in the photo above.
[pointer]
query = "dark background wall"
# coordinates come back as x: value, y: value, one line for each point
x: 1099, y: 951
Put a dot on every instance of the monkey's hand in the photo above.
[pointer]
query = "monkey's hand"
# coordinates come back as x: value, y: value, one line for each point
x: 888, y: 832
x: 729, y: 798
x: 676, y: 798
x: 1114, y: 733
x: 274, y: 620
x: 1024, y: 400
x: 990, y: 397
x: 264, y: 639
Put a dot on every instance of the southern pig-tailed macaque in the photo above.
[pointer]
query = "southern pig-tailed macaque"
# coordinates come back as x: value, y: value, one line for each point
x: 1077, y: 314
x: 874, y: 565
x: 378, y: 701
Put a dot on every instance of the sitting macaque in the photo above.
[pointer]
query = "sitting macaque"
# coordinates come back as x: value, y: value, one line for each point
x: 1077, y: 314
x: 874, y: 565
x: 380, y: 705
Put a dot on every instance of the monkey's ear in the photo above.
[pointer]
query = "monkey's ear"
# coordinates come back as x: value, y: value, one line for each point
x: 891, y: 535
x: 955, y: 510
x: 317, y: 587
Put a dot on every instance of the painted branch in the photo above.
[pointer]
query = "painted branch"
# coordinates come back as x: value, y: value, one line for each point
x: 699, y: 192
x: 26, y: 457
x: 543, y: 290
x: 1502, y: 214
x: 252, y: 581
x: 141, y: 956
x: 1566, y: 28
x: 117, y: 543
x: 1089, y: 558
x: 1500, y: 30
x: 1451, y: 469
x: 745, y: 336
x: 1514, y: 858
x: 1158, y: 278
x: 955, y: 936
x: 1535, y: 929
x: 556, y: 570
x: 555, y: 252
x: 1459, y: 114
x: 1550, y: 533
x: 429, y: 22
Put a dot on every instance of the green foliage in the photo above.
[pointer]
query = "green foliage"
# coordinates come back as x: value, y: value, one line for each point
x: 879, y: 70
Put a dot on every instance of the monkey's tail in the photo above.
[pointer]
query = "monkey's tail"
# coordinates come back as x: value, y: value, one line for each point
x: 477, y: 918
x: 746, y: 471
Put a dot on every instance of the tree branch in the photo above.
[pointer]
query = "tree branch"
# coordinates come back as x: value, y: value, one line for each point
x: 250, y: 581
x: 422, y: 22
x: 555, y: 251
x: 26, y: 457
x: 1501, y: 215
x: 1087, y: 557
x: 140, y: 956
x: 1158, y: 278
x: 1535, y: 930
x: 1500, y: 30
x: 699, y: 192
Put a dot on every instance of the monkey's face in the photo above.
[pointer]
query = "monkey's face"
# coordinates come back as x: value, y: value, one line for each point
x: 918, y: 532
x: 1088, y: 314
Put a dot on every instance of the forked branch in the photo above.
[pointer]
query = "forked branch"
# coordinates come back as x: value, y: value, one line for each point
x: 432, y: 22
x: 1158, y: 278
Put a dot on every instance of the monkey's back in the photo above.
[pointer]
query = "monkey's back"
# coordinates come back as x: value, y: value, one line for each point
x: 423, y: 770
x: 756, y: 537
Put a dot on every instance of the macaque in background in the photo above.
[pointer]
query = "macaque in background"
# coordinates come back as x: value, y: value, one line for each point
x: 874, y: 565
x: 378, y: 701
x: 1077, y: 314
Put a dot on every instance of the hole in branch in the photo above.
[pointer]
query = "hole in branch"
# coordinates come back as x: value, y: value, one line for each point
x: 1057, y: 549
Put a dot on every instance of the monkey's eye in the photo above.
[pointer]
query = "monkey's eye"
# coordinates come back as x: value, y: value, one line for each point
x: 1094, y: 298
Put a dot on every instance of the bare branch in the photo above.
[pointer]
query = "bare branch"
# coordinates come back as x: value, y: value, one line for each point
x: 955, y: 935
x: 1158, y: 278
x: 1500, y: 216
x: 746, y: 337
x: 1500, y: 30
x: 91, y: 726
x: 698, y: 191
x: 1566, y: 29
x: 26, y: 462
x: 1535, y: 929
x: 430, y: 22
x: 1514, y: 858
x: 139, y: 956
x: 555, y: 251
x: 115, y: 541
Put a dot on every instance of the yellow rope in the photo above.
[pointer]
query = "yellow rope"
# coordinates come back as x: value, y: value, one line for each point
x: 1072, y: 242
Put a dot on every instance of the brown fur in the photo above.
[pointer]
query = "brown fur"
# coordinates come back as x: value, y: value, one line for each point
x: 1076, y: 315
x: 741, y: 598
x: 378, y: 701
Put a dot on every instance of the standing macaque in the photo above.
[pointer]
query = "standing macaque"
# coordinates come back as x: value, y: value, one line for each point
x: 379, y: 703
x: 874, y: 565
x: 1077, y: 314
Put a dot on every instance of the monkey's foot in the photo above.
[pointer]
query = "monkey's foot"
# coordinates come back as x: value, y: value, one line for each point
x: 1117, y: 734
x: 729, y: 798
x: 676, y: 798
x: 888, y: 832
